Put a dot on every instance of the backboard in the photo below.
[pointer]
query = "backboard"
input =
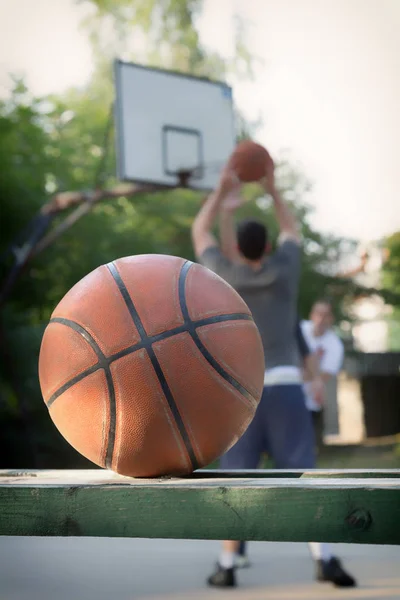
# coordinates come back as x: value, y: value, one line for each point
x: 169, y: 123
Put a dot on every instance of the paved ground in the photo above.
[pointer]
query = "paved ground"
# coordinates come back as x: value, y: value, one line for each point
x: 111, y: 569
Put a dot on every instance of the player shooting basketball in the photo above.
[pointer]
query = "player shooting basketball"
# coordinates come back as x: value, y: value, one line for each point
x: 282, y: 425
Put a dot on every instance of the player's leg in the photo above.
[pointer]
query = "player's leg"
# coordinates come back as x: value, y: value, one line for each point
x: 242, y: 560
x: 328, y: 568
x: 318, y: 424
x: 245, y: 454
x: 291, y: 439
x: 288, y: 427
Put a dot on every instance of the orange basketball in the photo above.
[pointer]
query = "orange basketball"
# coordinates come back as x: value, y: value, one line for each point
x: 250, y: 161
x: 151, y: 365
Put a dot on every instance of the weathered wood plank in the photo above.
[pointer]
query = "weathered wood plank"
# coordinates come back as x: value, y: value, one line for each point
x: 206, y: 506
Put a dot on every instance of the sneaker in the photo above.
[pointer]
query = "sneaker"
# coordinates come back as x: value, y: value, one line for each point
x: 332, y: 570
x: 222, y: 577
x: 242, y: 561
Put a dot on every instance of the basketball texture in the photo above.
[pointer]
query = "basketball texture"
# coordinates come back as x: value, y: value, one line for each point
x: 151, y: 365
x: 249, y: 161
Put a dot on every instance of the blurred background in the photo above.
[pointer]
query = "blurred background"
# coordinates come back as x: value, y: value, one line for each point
x: 316, y: 82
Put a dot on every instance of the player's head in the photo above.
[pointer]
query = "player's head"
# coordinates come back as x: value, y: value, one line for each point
x: 252, y: 238
x: 321, y: 316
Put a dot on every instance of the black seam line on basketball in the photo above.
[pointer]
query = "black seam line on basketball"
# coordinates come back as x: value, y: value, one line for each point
x: 159, y: 337
x: 103, y: 363
x: 200, y: 323
x: 85, y: 334
x: 191, y: 326
x: 128, y: 301
x: 72, y: 382
x: 131, y: 349
x: 147, y: 344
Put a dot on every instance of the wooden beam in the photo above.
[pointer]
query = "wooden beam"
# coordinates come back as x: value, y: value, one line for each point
x: 339, y: 506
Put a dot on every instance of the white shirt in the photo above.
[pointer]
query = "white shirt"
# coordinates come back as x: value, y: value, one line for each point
x: 284, y: 375
x: 331, y: 351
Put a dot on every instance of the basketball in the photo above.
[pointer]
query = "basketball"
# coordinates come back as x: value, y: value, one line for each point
x: 249, y: 161
x: 151, y: 365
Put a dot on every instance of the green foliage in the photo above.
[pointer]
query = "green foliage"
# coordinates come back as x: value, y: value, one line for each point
x: 163, y: 33
x: 391, y: 268
x: 23, y: 161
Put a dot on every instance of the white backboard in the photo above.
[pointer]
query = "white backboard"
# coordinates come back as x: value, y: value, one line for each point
x: 167, y: 122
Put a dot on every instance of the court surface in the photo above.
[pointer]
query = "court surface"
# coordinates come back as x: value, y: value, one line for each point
x: 129, y: 569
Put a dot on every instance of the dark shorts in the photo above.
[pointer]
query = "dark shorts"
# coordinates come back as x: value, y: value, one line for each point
x: 282, y: 426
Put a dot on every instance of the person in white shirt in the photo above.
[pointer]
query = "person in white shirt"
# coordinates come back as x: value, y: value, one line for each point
x: 328, y: 349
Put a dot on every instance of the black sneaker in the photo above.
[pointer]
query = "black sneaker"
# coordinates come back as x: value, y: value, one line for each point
x: 222, y: 577
x: 332, y: 570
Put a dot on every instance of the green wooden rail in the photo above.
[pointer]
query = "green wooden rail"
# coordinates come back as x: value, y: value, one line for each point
x: 334, y: 506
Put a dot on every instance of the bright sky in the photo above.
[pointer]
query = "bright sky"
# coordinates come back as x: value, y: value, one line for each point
x: 329, y: 89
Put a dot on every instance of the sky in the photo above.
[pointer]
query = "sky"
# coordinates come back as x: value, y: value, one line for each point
x: 328, y: 89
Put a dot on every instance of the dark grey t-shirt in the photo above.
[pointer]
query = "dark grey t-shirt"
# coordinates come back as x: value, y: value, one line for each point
x: 271, y: 295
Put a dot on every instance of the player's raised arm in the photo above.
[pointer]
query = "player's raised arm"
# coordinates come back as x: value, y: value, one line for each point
x: 227, y: 229
x: 287, y: 222
x: 202, y: 236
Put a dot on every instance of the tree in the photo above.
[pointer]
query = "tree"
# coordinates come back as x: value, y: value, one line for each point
x: 163, y: 33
